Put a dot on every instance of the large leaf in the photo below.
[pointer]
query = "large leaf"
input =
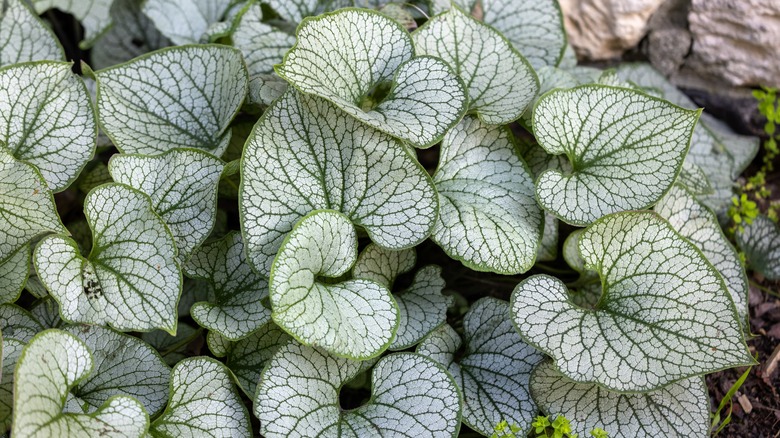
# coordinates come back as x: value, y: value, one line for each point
x: 664, y: 314
x: 421, y: 306
x: 298, y: 396
x: 494, y: 369
x: 130, y: 280
x: 700, y: 225
x: 351, y: 57
x: 49, y: 366
x: 122, y: 364
x: 305, y: 154
x: 354, y: 318
x: 263, y: 45
x: 247, y: 357
x: 94, y: 15
x: 236, y: 309
x: 13, y: 274
x: 760, y: 241
x: 132, y: 35
x: 27, y: 208
x: 488, y: 219
x: 46, y: 119
x: 500, y: 82
x: 626, y: 149
x: 185, y: 21
x: 182, y: 185
x: 176, y: 97
x: 534, y: 27
x: 24, y: 37
x: 204, y: 403
x: 679, y: 410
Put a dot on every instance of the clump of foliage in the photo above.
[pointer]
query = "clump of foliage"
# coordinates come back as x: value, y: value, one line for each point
x: 247, y: 172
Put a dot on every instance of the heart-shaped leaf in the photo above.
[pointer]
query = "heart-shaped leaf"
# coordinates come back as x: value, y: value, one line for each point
x: 364, y: 62
x: 132, y: 34
x: 534, y: 27
x: 24, y: 37
x: 122, y: 365
x: 13, y: 274
x: 488, y: 218
x: 626, y: 149
x: 204, y: 402
x: 94, y: 15
x: 700, y: 226
x: 49, y: 366
x: 131, y: 279
x: 46, y: 119
x: 354, y: 318
x: 421, y: 307
x: 298, y: 396
x: 26, y: 204
x: 760, y: 241
x: 236, y: 309
x: 500, y: 82
x: 329, y: 161
x: 185, y: 21
x: 664, y: 315
x: 182, y: 185
x: 679, y: 410
x: 247, y: 357
x: 494, y: 370
x: 180, y: 97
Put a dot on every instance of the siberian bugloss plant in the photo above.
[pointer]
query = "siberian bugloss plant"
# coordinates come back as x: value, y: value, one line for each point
x: 247, y: 172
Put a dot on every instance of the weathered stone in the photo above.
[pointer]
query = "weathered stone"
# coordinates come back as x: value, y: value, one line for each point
x: 736, y: 40
x: 604, y: 29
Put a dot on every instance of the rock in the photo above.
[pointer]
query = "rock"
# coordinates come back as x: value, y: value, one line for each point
x: 668, y: 40
x: 736, y: 40
x: 604, y: 29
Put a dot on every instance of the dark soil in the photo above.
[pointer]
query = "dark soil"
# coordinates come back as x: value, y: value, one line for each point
x: 758, y: 414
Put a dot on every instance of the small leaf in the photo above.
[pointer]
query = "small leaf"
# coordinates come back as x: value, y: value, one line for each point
x: 263, y: 45
x: 122, y: 364
x: 330, y: 161
x: 298, y: 396
x: 17, y: 323
x: 664, y: 315
x: 534, y: 27
x: 700, y: 226
x: 694, y: 179
x: 185, y: 21
x: 488, y: 218
x: 760, y: 241
x: 130, y: 280
x: 218, y: 344
x: 625, y: 148
x: 679, y: 410
x: 236, y: 309
x: 204, y: 402
x: 24, y: 37
x: 26, y: 204
x: 248, y: 356
x: 346, y: 56
x: 548, y: 246
x: 182, y: 185
x: 13, y: 274
x: 46, y: 119
x: 421, y: 307
x: 494, y: 370
x: 499, y: 80
x: 354, y: 318
x: 94, y: 15
x: 49, y: 366
x: 132, y: 34
x: 180, y: 97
